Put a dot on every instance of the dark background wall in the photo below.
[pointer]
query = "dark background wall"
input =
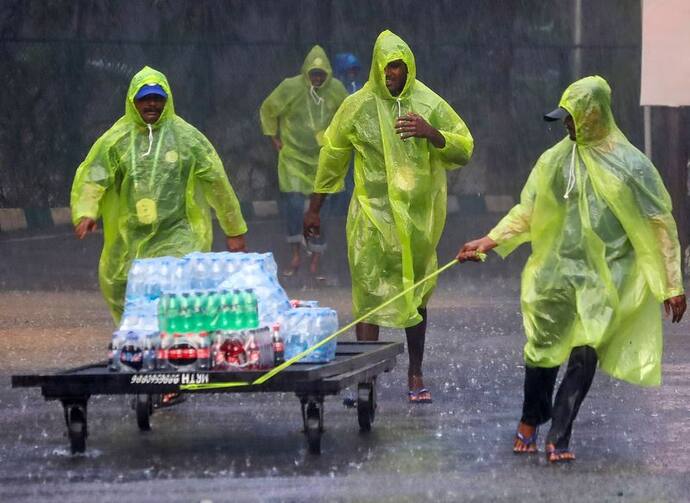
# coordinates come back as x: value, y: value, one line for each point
x: 66, y: 65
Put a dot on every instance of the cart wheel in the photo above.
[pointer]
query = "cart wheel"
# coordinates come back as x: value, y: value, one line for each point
x: 366, y: 405
x: 312, y: 427
x: 144, y: 409
x: 76, y: 428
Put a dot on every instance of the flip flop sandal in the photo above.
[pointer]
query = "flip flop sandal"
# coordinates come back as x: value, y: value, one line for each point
x: 290, y: 272
x: 551, y: 450
x: 413, y: 396
x: 169, y: 399
x: 529, y: 442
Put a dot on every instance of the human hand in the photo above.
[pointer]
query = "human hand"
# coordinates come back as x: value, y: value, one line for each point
x: 676, y: 306
x: 84, y: 227
x: 236, y: 243
x: 473, y: 250
x: 277, y: 143
x: 412, y: 124
x: 312, y: 224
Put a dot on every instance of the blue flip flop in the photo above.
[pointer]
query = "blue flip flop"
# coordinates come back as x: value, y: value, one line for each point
x: 527, y: 441
x: 413, y: 396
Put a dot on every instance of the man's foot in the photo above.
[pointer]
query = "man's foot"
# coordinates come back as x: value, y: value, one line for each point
x: 421, y: 395
x: 170, y: 399
x: 294, y: 267
x: 525, y: 439
x: 554, y: 455
x: 417, y: 392
x: 290, y: 272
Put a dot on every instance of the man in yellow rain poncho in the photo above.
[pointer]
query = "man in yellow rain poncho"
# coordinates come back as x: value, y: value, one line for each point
x: 605, y: 253
x: 295, y: 116
x: 404, y: 137
x: 151, y: 178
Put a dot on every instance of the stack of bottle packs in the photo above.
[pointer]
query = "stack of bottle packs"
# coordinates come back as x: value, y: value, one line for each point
x: 214, y: 311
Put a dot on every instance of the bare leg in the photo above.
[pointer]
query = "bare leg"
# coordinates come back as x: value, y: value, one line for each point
x: 314, y: 266
x: 295, y: 256
x: 294, y: 263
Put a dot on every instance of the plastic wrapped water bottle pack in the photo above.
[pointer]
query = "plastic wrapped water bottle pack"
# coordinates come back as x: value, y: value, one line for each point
x: 176, y: 307
x: 303, y: 328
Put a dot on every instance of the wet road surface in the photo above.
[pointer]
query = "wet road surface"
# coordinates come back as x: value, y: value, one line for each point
x: 630, y: 442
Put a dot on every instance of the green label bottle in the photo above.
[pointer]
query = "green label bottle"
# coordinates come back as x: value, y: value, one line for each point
x: 225, y: 321
x: 251, y: 309
x: 172, y: 314
x: 185, y: 318
x: 212, y: 311
x: 238, y: 322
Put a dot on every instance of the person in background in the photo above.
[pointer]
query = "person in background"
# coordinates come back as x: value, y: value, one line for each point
x: 151, y: 178
x: 295, y: 116
x: 605, y: 254
x: 404, y: 137
x: 347, y: 69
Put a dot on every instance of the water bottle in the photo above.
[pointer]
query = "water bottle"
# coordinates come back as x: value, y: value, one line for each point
x: 172, y: 314
x: 203, y: 351
x: 216, y: 273
x: 131, y: 354
x: 326, y: 324
x: 278, y: 345
x: 135, y: 281
x: 163, y: 307
x: 197, y: 272
x: 226, y: 320
x: 250, y: 308
x: 185, y: 314
x: 164, y: 274
x: 252, y: 348
x: 148, y: 354
x: 198, y: 312
x: 212, y: 311
x: 237, y: 309
x: 149, y: 279
x: 229, y: 268
x: 179, y: 276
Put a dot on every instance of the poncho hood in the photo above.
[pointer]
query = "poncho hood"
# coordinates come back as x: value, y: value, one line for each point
x: 316, y: 59
x: 588, y: 100
x: 148, y: 76
x: 390, y: 47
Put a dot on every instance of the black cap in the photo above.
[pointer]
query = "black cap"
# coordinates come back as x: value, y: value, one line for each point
x: 556, y: 115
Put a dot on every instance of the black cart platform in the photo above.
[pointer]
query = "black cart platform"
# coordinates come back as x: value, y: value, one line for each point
x: 356, y: 363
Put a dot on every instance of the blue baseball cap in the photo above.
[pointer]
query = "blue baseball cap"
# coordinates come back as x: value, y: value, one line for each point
x: 556, y: 115
x: 148, y: 89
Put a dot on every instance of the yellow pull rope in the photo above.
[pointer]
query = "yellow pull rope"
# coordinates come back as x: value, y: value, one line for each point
x: 265, y: 377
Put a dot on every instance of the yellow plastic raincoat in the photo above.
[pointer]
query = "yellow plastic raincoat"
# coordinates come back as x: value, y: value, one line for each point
x: 605, y: 248
x: 299, y: 114
x: 398, y: 209
x: 153, y: 188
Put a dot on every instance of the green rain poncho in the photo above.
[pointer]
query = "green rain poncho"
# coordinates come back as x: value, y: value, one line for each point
x: 299, y: 114
x: 398, y: 208
x: 153, y: 188
x: 605, y: 248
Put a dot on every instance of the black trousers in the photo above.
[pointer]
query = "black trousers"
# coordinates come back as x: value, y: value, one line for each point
x: 539, y: 384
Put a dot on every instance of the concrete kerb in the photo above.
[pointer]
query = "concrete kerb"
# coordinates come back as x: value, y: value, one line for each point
x: 12, y: 219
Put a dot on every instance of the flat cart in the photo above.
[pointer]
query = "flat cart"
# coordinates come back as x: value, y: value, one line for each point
x: 355, y: 363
